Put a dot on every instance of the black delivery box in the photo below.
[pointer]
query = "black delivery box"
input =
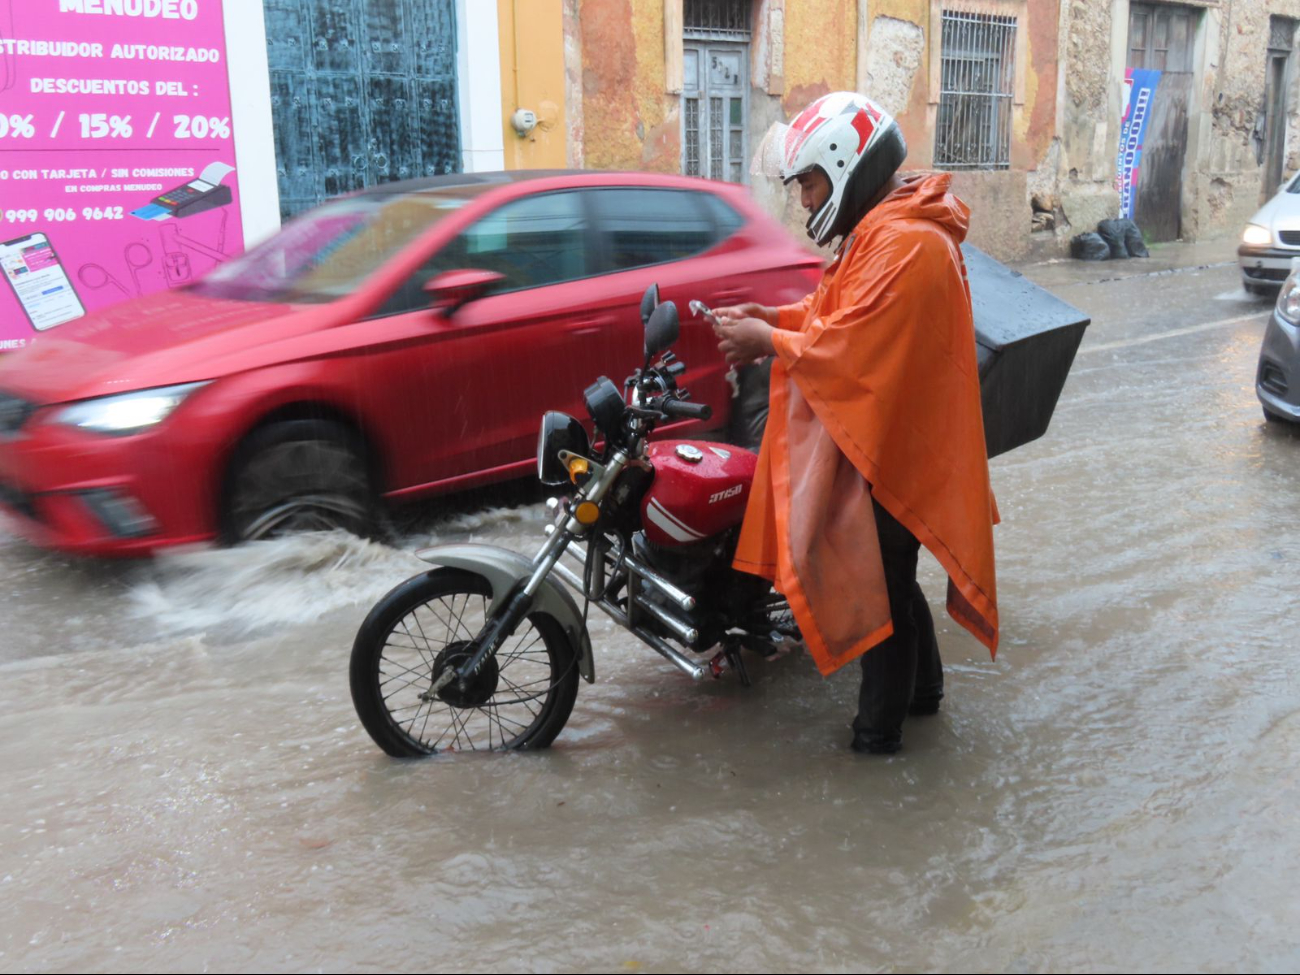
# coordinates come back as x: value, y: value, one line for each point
x: 1025, y: 340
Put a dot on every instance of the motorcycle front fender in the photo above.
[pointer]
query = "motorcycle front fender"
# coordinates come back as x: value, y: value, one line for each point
x: 503, y: 568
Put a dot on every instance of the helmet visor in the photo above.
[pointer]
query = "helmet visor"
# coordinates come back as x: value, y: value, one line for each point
x: 769, y: 158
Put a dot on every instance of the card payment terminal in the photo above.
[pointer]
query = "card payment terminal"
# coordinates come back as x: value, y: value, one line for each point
x: 207, y: 192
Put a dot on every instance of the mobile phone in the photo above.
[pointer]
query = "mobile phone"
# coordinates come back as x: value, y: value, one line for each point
x: 703, y: 310
x: 39, y: 282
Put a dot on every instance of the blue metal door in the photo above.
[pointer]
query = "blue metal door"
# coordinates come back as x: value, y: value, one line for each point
x: 362, y: 92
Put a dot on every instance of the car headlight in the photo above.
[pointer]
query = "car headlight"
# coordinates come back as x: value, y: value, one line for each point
x: 1256, y: 235
x: 126, y: 413
x: 1288, y: 300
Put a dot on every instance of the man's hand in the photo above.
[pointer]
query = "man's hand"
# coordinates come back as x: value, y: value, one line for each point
x: 750, y: 309
x: 743, y: 339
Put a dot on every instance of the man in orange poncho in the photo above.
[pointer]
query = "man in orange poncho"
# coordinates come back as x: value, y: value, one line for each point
x: 875, y: 439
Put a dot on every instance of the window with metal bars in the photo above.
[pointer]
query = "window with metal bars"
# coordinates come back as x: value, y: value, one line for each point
x: 718, y: 20
x: 977, y: 88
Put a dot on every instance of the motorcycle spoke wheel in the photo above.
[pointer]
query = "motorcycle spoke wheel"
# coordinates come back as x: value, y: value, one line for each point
x: 520, y: 698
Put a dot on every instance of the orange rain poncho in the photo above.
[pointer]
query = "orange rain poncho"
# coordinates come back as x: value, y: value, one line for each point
x: 875, y: 392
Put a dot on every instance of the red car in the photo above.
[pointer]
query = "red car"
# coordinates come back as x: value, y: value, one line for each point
x: 304, y: 382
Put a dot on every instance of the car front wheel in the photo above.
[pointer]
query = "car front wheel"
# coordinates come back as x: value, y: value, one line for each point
x: 296, y: 476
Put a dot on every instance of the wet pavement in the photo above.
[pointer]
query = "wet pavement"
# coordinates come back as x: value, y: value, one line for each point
x: 187, y: 787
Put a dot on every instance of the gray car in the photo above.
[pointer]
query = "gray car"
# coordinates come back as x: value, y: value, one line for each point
x: 1277, y: 380
x: 1271, y: 240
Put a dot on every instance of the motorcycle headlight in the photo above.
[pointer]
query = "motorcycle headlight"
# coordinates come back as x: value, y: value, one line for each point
x: 126, y: 413
x: 1256, y: 236
x: 559, y: 432
x: 1288, y: 300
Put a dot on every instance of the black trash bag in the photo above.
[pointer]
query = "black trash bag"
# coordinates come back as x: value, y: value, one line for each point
x: 1112, y: 232
x: 1089, y: 247
x: 1133, y: 241
x: 749, y: 407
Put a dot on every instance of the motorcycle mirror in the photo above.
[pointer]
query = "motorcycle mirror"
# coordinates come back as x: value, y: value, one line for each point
x: 649, y: 302
x: 452, y: 290
x: 661, y: 330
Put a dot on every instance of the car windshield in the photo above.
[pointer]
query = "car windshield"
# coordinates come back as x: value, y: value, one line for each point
x: 328, y: 251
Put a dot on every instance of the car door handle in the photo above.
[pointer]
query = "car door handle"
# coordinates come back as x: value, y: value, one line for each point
x: 588, y: 326
x: 731, y: 297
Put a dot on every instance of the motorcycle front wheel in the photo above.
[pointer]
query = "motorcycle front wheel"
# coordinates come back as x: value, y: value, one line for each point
x: 520, y: 698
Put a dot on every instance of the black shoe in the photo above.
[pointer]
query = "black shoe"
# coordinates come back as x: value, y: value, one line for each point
x: 924, y: 705
x: 875, y: 744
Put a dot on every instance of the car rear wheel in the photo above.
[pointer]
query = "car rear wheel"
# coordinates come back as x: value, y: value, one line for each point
x: 296, y: 476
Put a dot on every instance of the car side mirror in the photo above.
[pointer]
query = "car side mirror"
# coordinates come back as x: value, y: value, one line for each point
x: 649, y: 302
x: 661, y: 330
x: 451, y: 291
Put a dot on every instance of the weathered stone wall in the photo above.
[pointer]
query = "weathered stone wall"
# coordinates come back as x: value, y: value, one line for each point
x: 1089, y: 115
x: 901, y: 71
x: 621, y: 114
x: 1227, y: 179
x: 628, y: 120
x: 1222, y: 178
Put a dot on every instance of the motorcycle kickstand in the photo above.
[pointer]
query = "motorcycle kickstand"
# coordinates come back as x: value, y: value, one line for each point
x: 730, y: 653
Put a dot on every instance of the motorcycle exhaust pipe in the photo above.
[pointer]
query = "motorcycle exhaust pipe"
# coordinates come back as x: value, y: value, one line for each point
x: 683, y: 632
x: 656, y: 581
x: 674, y: 656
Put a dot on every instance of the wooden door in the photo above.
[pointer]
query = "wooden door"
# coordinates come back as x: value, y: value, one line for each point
x: 1161, y: 38
x: 1277, y: 75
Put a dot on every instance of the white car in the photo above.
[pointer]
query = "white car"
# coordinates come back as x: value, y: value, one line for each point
x: 1271, y: 240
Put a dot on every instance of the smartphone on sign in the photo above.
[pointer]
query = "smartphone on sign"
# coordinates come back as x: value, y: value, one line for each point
x: 39, y: 281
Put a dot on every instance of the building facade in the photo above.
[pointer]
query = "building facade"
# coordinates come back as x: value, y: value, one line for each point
x: 1027, y: 102
x: 1225, y: 117
x: 1031, y: 104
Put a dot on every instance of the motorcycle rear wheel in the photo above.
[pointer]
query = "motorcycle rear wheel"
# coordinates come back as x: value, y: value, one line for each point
x: 520, y: 699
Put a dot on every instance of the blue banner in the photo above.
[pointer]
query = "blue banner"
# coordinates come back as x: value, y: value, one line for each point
x: 1140, y: 91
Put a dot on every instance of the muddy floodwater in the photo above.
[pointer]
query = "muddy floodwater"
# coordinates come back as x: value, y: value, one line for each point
x: 186, y: 786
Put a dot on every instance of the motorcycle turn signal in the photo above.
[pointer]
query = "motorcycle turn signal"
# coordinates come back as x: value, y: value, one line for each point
x: 579, y: 467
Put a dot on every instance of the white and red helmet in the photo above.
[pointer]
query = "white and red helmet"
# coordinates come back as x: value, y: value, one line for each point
x: 855, y: 143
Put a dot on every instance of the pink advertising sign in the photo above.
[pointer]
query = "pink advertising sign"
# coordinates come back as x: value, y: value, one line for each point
x: 117, y: 158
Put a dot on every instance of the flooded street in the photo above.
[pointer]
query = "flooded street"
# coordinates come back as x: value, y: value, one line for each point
x: 187, y: 786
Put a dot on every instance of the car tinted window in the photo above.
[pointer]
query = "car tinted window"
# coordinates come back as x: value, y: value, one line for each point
x: 727, y: 219
x: 533, y: 241
x: 648, y: 226
x: 328, y: 251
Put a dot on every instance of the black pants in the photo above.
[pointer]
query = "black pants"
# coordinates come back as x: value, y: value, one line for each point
x: 906, y: 667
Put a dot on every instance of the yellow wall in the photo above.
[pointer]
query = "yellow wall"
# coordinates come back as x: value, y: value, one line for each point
x: 821, y: 50
x: 631, y: 120
x: 531, y: 34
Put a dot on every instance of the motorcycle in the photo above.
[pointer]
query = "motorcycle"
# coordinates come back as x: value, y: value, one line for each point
x: 486, y: 649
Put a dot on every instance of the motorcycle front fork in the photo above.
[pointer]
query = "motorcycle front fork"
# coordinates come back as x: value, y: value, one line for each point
x: 503, y: 622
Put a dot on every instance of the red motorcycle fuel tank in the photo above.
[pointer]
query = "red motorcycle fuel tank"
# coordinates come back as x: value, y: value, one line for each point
x: 700, y: 489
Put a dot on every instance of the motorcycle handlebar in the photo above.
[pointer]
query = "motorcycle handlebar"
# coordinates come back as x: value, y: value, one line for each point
x: 680, y: 410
